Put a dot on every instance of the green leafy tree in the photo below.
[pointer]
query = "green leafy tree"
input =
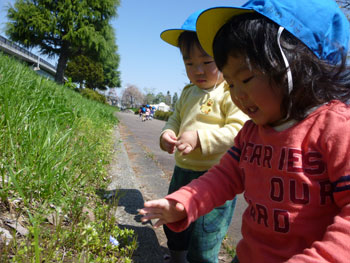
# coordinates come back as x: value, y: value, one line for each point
x: 110, y: 71
x: 84, y: 70
x: 64, y: 28
x: 159, y: 98
x: 175, y: 98
x: 168, y: 98
x: 149, y: 98
x: 109, y: 59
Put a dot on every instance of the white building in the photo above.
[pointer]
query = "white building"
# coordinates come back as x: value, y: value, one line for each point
x: 161, y: 106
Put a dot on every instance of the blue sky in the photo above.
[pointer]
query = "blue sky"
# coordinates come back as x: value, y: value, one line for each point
x: 145, y: 60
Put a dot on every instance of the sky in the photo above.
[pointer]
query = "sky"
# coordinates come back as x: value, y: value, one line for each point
x: 146, y: 61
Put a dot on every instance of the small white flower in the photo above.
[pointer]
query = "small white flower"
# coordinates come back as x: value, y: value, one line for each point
x: 113, y: 241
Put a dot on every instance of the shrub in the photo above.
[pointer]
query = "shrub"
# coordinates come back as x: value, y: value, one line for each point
x: 70, y: 85
x: 93, y: 95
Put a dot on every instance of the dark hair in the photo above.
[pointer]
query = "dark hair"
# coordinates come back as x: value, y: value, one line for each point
x: 186, y: 41
x: 314, y: 81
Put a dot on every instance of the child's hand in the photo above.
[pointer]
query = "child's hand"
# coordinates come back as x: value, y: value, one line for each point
x: 168, y: 141
x: 187, y: 142
x: 166, y: 211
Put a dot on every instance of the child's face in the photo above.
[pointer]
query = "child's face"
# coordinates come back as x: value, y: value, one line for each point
x: 253, y: 92
x: 201, y: 69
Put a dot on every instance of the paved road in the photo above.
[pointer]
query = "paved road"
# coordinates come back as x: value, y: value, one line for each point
x: 147, y: 134
x: 143, y: 137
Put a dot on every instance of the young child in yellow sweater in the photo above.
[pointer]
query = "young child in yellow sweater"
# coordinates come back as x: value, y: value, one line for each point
x: 201, y: 129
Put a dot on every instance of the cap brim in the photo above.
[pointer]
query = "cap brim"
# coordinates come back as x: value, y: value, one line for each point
x: 211, y: 20
x: 171, y: 36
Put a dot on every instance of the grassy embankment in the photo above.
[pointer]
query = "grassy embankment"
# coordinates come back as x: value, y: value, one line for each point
x: 55, y: 146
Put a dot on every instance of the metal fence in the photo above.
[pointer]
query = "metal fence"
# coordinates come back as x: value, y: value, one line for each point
x: 9, y: 43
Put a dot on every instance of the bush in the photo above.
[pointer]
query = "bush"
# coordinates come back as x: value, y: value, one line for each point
x: 162, y: 115
x: 93, y: 95
x: 70, y: 85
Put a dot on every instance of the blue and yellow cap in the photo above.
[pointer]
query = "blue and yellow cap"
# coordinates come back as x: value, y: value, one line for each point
x: 171, y: 35
x: 319, y: 24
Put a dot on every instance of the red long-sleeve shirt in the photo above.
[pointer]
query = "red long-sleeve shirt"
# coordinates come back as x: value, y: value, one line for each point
x: 297, y: 185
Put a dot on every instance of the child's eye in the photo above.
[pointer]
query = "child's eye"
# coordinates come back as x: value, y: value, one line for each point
x: 188, y: 64
x: 247, y: 79
x: 208, y: 62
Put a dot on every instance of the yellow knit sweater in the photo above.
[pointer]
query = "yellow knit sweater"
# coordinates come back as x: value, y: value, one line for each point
x: 216, y: 119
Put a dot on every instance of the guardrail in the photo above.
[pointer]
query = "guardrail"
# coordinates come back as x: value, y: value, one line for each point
x: 9, y: 45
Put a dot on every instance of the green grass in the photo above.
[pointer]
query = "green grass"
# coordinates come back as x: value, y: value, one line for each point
x: 230, y: 249
x: 55, y: 146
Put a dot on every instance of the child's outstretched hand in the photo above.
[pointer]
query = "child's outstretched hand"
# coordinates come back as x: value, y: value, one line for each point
x: 187, y: 142
x: 166, y: 211
x: 168, y: 141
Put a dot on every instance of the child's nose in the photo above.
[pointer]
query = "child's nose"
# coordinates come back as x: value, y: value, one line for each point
x: 199, y: 69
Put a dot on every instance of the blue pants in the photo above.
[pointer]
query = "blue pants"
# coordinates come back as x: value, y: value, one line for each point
x: 235, y: 260
x: 203, y: 237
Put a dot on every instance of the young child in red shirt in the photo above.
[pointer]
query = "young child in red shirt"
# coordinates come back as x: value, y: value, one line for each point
x: 285, y: 62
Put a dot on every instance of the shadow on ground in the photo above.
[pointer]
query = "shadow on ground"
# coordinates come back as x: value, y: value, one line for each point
x: 128, y: 201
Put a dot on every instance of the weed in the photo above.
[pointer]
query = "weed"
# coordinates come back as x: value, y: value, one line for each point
x: 230, y: 249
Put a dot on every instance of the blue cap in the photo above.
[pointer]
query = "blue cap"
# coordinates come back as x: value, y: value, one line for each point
x: 319, y: 24
x: 171, y: 35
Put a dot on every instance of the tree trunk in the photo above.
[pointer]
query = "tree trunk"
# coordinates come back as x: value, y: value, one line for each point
x: 62, y: 63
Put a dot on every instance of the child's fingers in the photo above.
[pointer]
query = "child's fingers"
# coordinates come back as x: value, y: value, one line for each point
x: 159, y: 223
x: 171, y: 137
x: 171, y: 149
x: 158, y: 203
x: 179, y: 207
x: 151, y: 211
x: 187, y: 150
x: 181, y: 146
x: 145, y: 211
x: 178, y: 143
x: 147, y: 217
